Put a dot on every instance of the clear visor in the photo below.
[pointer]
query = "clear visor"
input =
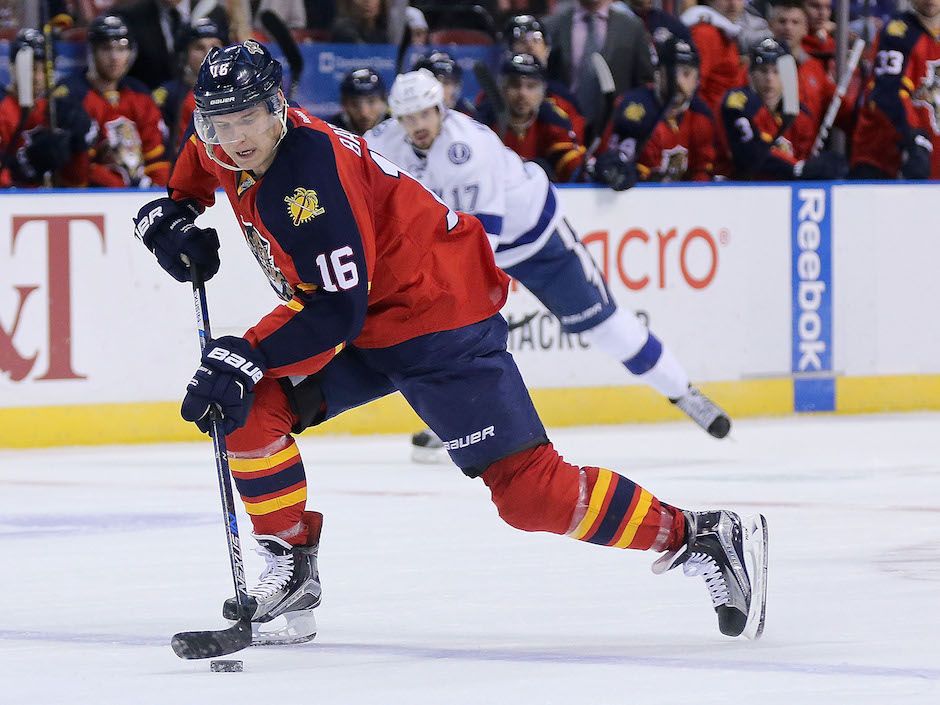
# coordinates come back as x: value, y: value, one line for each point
x: 231, y: 128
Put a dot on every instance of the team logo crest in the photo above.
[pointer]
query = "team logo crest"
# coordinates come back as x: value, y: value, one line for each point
x: 252, y: 46
x: 261, y: 249
x: 736, y: 100
x: 634, y: 112
x: 459, y: 152
x: 927, y: 94
x: 896, y: 28
x: 303, y: 205
x: 245, y: 182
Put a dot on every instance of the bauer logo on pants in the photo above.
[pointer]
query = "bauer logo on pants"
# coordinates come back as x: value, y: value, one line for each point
x: 811, y: 270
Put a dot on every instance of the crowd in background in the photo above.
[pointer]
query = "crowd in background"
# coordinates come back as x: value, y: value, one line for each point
x: 696, y: 92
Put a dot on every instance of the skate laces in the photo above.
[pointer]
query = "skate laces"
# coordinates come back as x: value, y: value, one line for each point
x: 701, y: 564
x: 276, y: 574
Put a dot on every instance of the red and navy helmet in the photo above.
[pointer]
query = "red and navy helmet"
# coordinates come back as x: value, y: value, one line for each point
x: 28, y: 39
x: 110, y: 28
x: 236, y: 77
x: 441, y: 64
x: 767, y: 52
x: 523, y: 65
x: 203, y: 28
x: 361, y: 83
x: 521, y: 26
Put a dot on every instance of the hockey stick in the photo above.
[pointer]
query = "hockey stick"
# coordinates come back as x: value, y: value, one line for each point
x: 835, y: 104
x: 402, y: 49
x: 609, y: 91
x: 202, y: 9
x: 49, y: 66
x: 210, y: 644
x: 278, y: 31
x: 790, y: 88
x: 492, y: 96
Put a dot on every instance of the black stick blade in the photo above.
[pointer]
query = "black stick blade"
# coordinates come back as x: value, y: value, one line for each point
x: 211, y: 644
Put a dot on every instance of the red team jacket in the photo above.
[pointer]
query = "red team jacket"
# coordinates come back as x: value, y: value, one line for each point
x: 129, y: 123
x: 905, y: 95
x: 682, y: 149
x: 719, y: 65
x: 747, y: 130
x: 358, y: 250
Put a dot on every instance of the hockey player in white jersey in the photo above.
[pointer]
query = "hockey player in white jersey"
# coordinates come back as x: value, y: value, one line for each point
x: 468, y: 166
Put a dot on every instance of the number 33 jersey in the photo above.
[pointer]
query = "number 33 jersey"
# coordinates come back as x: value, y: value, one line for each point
x: 358, y: 251
x: 470, y: 168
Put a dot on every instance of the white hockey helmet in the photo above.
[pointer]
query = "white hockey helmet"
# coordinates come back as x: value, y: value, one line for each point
x: 414, y: 91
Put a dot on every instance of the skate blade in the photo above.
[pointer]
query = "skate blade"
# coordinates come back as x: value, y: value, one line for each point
x: 757, y: 552
x: 429, y: 456
x: 294, y: 629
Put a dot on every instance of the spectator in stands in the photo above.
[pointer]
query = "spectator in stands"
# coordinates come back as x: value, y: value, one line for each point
x: 364, y: 101
x: 898, y: 128
x: 592, y: 26
x: 449, y: 73
x: 819, y: 41
x: 659, y: 24
x: 175, y: 97
x: 361, y: 22
x: 762, y: 145
x: 754, y: 26
x: 716, y: 38
x: 293, y: 12
x: 29, y: 148
x: 157, y: 24
x: 534, y: 127
x: 524, y: 34
x: 129, y: 150
x: 664, y: 132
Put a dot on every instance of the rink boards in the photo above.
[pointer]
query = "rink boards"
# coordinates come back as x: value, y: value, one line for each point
x: 778, y: 299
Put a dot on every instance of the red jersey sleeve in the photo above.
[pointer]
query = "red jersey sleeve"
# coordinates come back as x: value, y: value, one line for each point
x: 193, y: 174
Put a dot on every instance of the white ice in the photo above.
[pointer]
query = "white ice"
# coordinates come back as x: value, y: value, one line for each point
x: 430, y: 598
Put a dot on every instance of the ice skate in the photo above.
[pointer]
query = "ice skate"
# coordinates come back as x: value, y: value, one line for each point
x: 704, y: 412
x: 731, y: 555
x: 428, y: 449
x: 288, y: 591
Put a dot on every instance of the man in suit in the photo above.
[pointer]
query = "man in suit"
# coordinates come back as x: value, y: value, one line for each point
x: 594, y: 26
x: 157, y: 26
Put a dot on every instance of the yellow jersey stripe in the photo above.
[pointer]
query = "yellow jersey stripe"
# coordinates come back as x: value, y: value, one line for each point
x: 594, y: 506
x: 259, y: 464
x: 636, y: 519
x: 269, y: 506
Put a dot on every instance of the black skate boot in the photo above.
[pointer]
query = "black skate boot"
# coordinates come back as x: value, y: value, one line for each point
x: 289, y: 587
x: 704, y: 412
x: 732, y: 557
x: 428, y: 449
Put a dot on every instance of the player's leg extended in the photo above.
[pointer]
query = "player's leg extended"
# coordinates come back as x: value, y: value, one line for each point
x: 467, y: 388
x: 564, y: 277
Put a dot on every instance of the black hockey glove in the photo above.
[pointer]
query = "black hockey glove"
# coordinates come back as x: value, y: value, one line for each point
x: 72, y: 118
x: 227, y: 376
x: 168, y: 230
x: 823, y: 167
x: 614, y: 169
x: 916, y: 151
x: 43, y: 151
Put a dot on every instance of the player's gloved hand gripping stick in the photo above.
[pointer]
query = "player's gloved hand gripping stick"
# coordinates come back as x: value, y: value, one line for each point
x: 211, y: 644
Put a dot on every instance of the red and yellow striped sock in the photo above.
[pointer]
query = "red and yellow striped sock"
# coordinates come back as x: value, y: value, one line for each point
x: 614, y: 511
x: 273, y: 486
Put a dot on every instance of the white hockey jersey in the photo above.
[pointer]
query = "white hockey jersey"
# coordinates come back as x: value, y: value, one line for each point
x: 472, y: 171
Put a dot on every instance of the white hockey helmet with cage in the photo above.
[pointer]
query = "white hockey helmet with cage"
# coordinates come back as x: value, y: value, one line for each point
x: 415, y: 91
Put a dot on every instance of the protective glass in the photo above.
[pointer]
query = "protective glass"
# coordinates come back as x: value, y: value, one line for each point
x: 247, y: 124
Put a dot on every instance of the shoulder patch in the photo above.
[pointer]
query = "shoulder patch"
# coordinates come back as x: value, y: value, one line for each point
x: 896, y: 28
x: 736, y: 100
x: 303, y: 205
x: 634, y: 112
x: 159, y: 96
x: 60, y: 91
x: 459, y: 152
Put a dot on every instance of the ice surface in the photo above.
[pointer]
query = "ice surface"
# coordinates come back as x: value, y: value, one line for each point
x: 430, y: 598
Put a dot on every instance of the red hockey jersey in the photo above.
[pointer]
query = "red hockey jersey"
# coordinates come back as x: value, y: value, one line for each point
x: 358, y: 251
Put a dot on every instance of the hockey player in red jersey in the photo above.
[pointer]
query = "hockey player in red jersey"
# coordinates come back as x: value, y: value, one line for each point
x: 537, y: 129
x: 752, y: 127
x: 675, y: 141
x: 383, y: 288
x: 130, y: 147
x: 898, y: 131
x: 30, y: 149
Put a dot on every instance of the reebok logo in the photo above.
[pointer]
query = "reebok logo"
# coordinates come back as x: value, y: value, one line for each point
x: 811, y: 290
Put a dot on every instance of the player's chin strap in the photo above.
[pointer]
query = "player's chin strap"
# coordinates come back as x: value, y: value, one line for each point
x: 282, y: 116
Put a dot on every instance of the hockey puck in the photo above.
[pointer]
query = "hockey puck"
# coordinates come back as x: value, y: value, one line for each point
x: 226, y: 666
